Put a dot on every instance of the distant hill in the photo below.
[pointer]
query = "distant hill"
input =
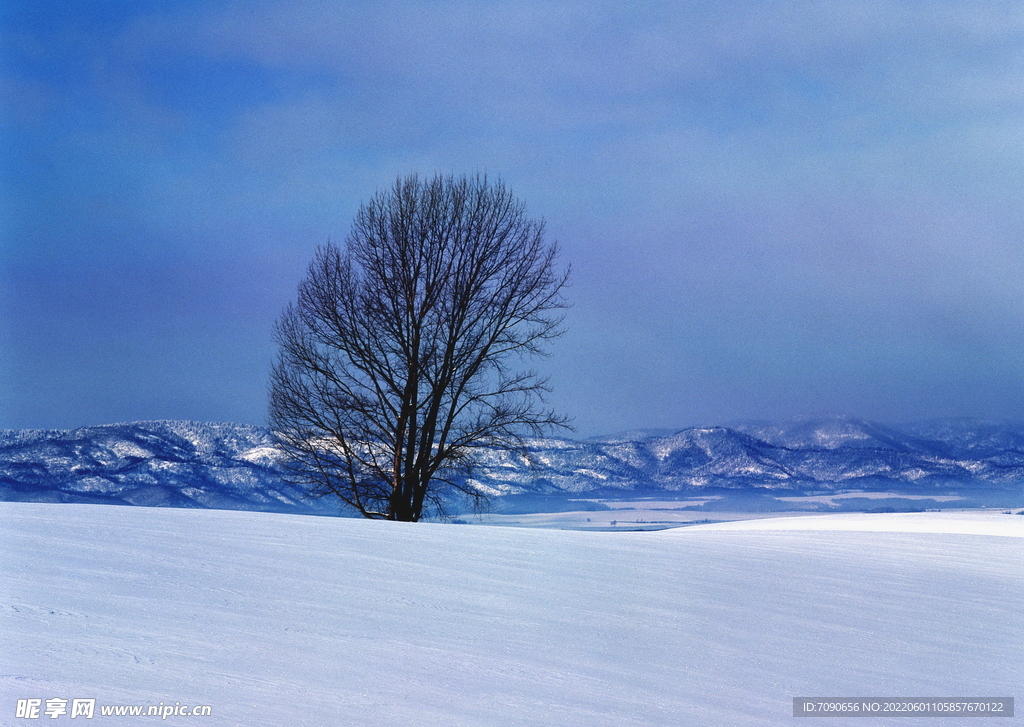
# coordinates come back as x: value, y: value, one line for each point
x: 232, y: 466
x: 162, y: 464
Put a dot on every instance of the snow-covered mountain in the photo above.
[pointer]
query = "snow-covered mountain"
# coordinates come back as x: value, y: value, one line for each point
x: 230, y: 466
x: 164, y: 464
x: 824, y: 454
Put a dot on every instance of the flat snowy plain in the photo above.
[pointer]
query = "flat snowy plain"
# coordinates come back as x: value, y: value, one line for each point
x: 284, y: 620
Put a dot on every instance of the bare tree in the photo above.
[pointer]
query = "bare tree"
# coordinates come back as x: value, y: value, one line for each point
x: 395, y: 365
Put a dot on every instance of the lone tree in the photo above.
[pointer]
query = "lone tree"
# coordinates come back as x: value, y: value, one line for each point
x: 395, y: 365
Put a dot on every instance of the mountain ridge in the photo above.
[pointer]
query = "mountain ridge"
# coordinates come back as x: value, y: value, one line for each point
x: 233, y: 466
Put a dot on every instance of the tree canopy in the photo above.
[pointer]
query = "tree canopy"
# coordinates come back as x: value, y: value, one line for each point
x: 399, y: 362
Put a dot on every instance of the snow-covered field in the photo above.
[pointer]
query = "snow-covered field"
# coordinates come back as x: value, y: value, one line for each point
x: 286, y: 620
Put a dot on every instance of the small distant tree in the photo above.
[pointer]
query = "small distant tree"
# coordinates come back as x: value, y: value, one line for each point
x: 395, y: 367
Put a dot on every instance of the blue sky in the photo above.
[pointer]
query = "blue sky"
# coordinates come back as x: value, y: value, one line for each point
x: 771, y: 208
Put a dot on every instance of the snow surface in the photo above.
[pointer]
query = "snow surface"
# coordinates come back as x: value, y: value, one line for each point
x: 962, y: 522
x: 275, y: 619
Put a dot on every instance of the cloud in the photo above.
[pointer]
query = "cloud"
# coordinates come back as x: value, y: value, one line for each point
x: 797, y: 93
x: 765, y: 202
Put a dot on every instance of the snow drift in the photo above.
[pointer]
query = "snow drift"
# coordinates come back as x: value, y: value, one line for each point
x: 283, y: 620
